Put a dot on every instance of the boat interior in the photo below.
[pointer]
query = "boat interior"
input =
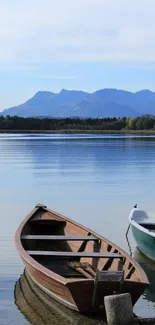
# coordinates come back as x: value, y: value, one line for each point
x: 70, y: 250
x: 148, y: 225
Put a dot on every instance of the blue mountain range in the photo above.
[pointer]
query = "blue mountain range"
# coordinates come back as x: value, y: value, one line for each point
x: 101, y: 103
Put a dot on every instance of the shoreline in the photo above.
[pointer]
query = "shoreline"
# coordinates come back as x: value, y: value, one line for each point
x: 142, y: 132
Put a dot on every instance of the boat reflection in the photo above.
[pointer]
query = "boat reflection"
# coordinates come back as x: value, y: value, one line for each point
x: 149, y: 268
x: 38, y: 309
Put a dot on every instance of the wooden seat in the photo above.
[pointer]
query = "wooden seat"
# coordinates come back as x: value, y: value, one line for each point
x: 110, y: 275
x: 74, y: 254
x: 62, y: 237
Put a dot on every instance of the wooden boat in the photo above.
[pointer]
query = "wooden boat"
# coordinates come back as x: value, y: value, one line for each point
x: 143, y: 229
x: 73, y: 264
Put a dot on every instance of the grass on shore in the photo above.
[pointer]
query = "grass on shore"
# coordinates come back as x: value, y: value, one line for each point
x: 123, y: 131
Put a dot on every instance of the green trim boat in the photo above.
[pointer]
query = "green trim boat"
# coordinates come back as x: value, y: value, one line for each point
x: 143, y: 229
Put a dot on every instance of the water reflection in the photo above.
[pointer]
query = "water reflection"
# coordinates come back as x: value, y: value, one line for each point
x: 38, y: 309
x: 149, y: 268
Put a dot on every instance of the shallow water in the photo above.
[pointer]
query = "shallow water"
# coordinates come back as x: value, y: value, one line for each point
x: 94, y: 179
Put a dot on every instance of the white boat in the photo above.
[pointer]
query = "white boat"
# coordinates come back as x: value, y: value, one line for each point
x: 143, y: 229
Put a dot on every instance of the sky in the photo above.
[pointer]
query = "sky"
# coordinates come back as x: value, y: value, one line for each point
x: 75, y: 44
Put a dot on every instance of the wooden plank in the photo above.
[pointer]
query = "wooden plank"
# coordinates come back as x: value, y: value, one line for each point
x: 74, y: 254
x: 51, y: 237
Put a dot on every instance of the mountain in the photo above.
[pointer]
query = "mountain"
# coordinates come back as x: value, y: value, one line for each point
x: 46, y: 103
x: 101, y: 103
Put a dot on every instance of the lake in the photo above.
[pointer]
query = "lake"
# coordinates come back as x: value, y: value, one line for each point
x: 93, y: 179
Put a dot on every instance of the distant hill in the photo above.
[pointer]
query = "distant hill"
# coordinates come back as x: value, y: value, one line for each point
x: 101, y: 103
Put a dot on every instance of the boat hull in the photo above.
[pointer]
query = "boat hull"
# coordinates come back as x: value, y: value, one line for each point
x: 79, y: 296
x: 52, y: 287
x: 145, y: 242
x: 75, y: 295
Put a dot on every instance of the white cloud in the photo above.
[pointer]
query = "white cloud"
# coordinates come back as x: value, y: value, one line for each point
x: 6, y: 66
x: 37, y: 31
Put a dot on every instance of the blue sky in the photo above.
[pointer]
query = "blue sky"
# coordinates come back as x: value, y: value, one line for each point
x: 84, y: 44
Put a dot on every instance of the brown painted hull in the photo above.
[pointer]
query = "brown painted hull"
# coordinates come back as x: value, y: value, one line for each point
x: 57, y: 290
x: 77, y: 294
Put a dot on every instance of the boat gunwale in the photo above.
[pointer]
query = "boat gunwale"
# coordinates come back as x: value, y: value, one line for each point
x: 55, y: 276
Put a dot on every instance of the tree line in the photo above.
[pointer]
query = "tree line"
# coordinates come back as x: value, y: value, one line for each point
x: 145, y: 122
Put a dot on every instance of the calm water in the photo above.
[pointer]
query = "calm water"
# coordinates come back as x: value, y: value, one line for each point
x: 95, y: 180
